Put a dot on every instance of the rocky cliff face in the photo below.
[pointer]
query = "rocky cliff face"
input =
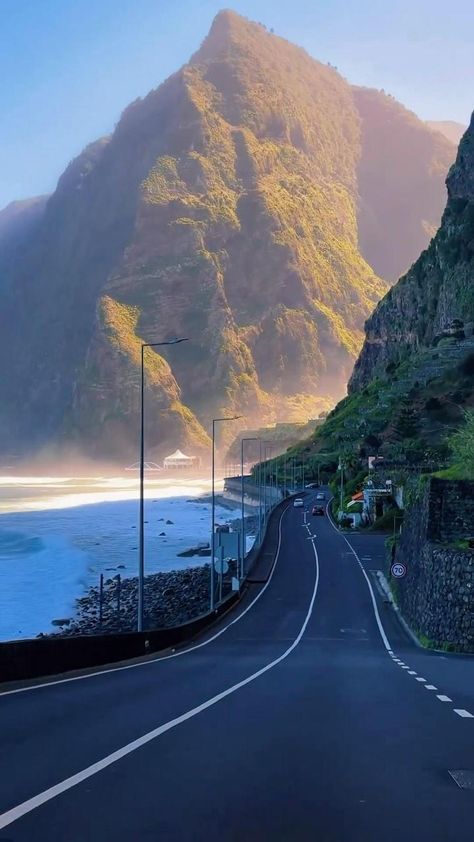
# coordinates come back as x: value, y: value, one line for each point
x: 224, y: 208
x: 436, y: 296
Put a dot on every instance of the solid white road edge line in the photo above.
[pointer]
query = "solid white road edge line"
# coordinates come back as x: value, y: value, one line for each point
x: 372, y: 595
x: 32, y: 803
x: 157, y: 660
x: 460, y: 712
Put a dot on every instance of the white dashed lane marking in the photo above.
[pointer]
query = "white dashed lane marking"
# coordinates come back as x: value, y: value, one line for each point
x: 442, y: 698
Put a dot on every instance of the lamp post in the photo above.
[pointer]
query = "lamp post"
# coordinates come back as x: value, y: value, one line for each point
x: 213, y: 543
x: 141, y: 556
x: 260, y: 492
x: 268, y: 448
x: 242, y: 535
x: 341, y: 468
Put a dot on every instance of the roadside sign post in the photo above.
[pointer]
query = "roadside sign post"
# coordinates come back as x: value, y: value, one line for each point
x: 398, y: 570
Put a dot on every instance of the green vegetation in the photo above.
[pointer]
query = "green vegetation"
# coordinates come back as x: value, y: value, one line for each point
x: 461, y: 444
x: 226, y: 206
x: 120, y: 323
x: 385, y: 522
x: 411, y: 397
x: 428, y: 643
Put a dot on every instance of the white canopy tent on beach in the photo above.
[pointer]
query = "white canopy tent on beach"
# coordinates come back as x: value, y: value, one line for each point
x: 179, y: 460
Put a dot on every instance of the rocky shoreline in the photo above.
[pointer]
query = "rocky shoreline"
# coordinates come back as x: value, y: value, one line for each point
x: 170, y: 598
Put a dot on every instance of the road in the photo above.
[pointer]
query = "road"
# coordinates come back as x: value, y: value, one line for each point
x: 308, y: 714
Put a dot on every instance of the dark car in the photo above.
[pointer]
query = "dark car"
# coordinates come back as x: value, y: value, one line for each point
x: 318, y: 510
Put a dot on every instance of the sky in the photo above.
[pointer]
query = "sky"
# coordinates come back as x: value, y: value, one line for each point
x: 68, y: 68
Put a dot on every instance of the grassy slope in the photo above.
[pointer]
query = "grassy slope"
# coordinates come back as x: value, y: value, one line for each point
x: 410, y: 387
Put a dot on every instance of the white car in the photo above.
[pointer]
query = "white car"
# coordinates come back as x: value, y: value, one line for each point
x: 320, y: 496
x: 298, y: 503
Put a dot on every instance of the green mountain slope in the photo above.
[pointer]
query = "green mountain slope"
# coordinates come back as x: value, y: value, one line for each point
x: 223, y: 208
x: 414, y: 378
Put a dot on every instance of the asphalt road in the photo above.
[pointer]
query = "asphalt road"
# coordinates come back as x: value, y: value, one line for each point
x: 308, y: 714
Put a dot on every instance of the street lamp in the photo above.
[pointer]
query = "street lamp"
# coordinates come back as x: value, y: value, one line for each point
x: 214, y: 422
x: 341, y: 468
x: 268, y: 448
x: 242, y: 538
x: 291, y: 462
x: 141, y: 557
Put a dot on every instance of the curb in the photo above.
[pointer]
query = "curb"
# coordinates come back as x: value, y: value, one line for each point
x: 385, y: 588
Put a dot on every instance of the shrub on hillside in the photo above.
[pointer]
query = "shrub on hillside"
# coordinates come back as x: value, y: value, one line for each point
x: 461, y: 444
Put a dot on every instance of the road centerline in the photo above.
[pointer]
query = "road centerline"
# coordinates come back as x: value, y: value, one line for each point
x: 10, y: 816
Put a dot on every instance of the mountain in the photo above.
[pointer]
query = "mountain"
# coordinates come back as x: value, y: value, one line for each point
x: 17, y: 223
x: 400, y: 176
x: 438, y: 290
x: 233, y: 206
x: 449, y: 128
x: 414, y: 378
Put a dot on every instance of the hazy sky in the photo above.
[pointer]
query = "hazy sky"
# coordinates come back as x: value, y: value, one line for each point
x: 69, y: 67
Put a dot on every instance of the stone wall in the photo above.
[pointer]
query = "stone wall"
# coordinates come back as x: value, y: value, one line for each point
x: 436, y: 595
x: 451, y: 510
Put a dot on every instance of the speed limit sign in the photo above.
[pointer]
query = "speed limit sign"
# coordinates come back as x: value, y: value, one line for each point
x: 398, y: 570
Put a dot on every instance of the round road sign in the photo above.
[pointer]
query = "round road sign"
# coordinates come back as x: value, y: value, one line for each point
x: 398, y: 570
x: 221, y: 566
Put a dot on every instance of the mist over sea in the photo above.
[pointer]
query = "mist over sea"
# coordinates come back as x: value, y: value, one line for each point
x: 58, y: 534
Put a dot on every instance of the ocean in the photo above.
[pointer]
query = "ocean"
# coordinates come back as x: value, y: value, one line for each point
x: 58, y: 534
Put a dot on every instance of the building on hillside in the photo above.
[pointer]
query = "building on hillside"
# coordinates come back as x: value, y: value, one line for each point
x: 178, y: 461
x: 377, y: 498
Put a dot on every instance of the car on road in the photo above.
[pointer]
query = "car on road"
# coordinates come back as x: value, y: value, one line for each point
x: 317, y: 510
x: 312, y: 485
x: 320, y: 496
x: 298, y: 503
